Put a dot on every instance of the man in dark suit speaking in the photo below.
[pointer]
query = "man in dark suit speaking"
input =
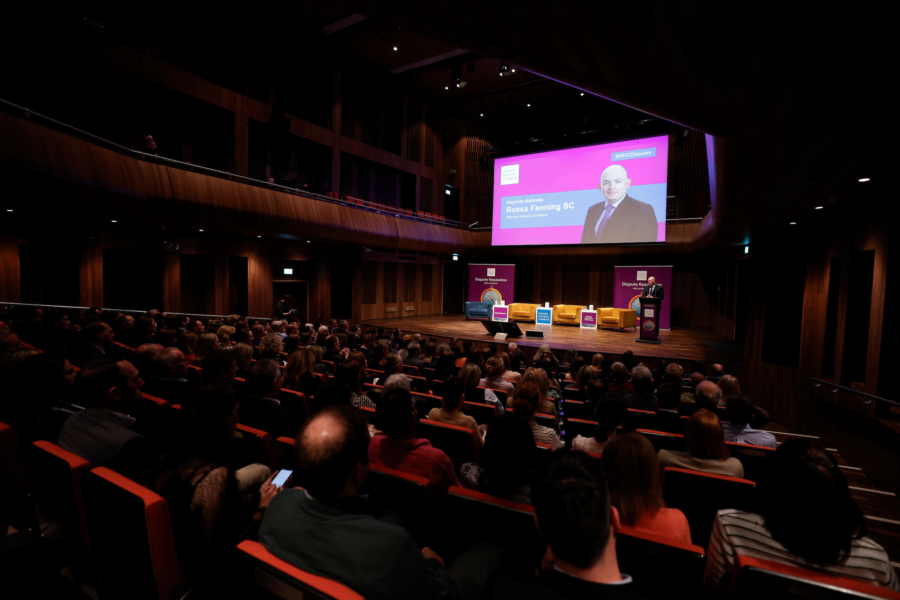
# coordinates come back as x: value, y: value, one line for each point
x: 653, y: 290
x: 620, y: 219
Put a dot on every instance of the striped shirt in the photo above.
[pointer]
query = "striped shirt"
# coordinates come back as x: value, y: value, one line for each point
x: 545, y: 435
x: 741, y: 533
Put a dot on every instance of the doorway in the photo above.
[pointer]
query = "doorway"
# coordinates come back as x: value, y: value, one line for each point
x: 298, y: 297
x: 454, y: 286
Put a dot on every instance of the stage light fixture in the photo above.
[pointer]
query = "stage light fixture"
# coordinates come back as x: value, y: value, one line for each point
x: 793, y: 222
x: 307, y: 241
x: 114, y: 221
x: 446, y: 87
x: 201, y: 231
x: 482, y: 114
x: 864, y: 179
x: 259, y: 236
x: 458, y: 78
x: 582, y: 93
x: 504, y: 69
x: 513, y: 70
x: 529, y: 105
x: 746, y: 249
x: 456, y: 257
x: 9, y: 210
x: 819, y: 207
x: 395, y: 48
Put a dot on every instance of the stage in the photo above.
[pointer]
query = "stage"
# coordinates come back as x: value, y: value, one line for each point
x: 684, y: 343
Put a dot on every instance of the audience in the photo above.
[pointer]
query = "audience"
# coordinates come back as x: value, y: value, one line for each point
x: 400, y: 449
x: 706, y: 451
x: 509, y: 455
x: 206, y: 343
x: 260, y: 407
x: 168, y: 377
x: 209, y: 512
x: 187, y: 343
x: 323, y: 528
x: 350, y: 373
x: 610, y: 414
x: 806, y: 519
x: 299, y: 374
x: 413, y: 357
x: 445, y: 366
x: 740, y: 414
x: 219, y: 366
x: 270, y: 348
x: 595, y: 391
x: 642, y: 398
x: 470, y: 380
x: 635, y: 486
x: 494, y: 370
x: 574, y: 514
x: 707, y: 396
x: 396, y: 381
x: 526, y: 400
x: 539, y: 377
x: 668, y: 418
x: 450, y: 412
x: 509, y: 374
x: 102, y: 434
x: 38, y: 395
x: 618, y: 379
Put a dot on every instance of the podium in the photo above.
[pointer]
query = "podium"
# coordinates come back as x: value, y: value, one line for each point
x: 649, y: 321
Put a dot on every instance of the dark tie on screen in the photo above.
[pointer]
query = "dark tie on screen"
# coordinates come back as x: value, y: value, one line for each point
x: 603, y: 221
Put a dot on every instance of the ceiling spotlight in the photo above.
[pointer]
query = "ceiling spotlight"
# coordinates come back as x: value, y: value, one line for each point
x: 201, y: 231
x: 582, y: 93
x: 9, y: 210
x: 307, y: 241
x: 259, y: 236
x: 864, y: 179
x: 819, y: 207
x: 446, y: 87
x: 529, y: 105
x: 458, y: 78
x: 513, y: 70
x: 395, y: 48
x: 504, y: 69
x: 482, y: 114
x: 114, y: 221
x: 793, y: 222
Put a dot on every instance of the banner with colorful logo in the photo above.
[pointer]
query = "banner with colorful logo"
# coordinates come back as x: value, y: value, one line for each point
x: 491, y: 283
x: 630, y: 283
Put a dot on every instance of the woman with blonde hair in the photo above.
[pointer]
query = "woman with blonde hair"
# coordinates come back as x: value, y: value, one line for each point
x: 469, y: 379
x: 494, y: 370
x: 206, y: 343
x: 706, y: 451
x: 271, y: 347
x: 242, y: 355
x: 390, y: 364
x: 635, y: 488
x: 451, y: 412
x: 224, y: 334
x: 320, y: 367
x: 300, y: 374
x: 730, y: 387
x: 597, y: 362
x: 509, y: 374
x: 258, y: 331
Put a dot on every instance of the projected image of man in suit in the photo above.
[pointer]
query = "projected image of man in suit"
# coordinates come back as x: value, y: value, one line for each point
x: 619, y: 219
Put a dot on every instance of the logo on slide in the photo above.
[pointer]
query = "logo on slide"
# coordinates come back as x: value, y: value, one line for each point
x: 509, y: 174
x: 649, y: 325
x: 635, y: 304
x: 491, y: 295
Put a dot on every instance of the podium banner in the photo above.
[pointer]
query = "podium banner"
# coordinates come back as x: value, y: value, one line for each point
x: 491, y: 283
x: 629, y: 283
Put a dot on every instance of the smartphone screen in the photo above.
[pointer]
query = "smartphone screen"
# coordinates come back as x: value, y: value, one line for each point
x: 281, y: 478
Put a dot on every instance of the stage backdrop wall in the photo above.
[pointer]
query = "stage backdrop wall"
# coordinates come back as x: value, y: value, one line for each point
x: 491, y: 282
x: 629, y: 283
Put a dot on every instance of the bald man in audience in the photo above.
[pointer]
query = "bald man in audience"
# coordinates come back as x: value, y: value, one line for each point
x: 619, y: 218
x: 169, y: 376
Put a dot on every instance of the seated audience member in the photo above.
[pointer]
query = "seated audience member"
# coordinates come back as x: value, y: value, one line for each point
x: 494, y: 370
x: 706, y: 397
x: 715, y: 372
x: 445, y: 366
x: 143, y: 332
x: 595, y: 391
x: 451, y: 412
x: 209, y: 513
x: 166, y: 338
x: 400, y: 449
x: 580, y: 380
x: 242, y: 336
x: 143, y: 359
x: 360, y: 358
x: 320, y: 367
x: 206, y: 343
x: 98, y: 342
x: 469, y: 379
x: 525, y: 402
x: 219, y: 366
x: 366, y: 347
x: 667, y: 417
x: 270, y: 348
x: 277, y: 328
x: 260, y: 407
x: 740, y: 414
x: 731, y: 388
x: 300, y: 374
x: 539, y: 377
x: 509, y: 455
x: 618, y: 383
x: 509, y: 374
x: 110, y: 389
x: 806, y: 519
x: 429, y: 354
x: 168, y: 379
x: 413, y: 355
x: 243, y: 357
x: 516, y: 360
x: 291, y: 343
x: 642, y: 397
x: 197, y: 327
x: 350, y: 373
x: 258, y: 331
x: 629, y: 361
x: 390, y: 365
x: 635, y: 487
x: 187, y: 343
x: 396, y: 381
x: 324, y: 528
x: 38, y: 395
x: 706, y: 451
x: 571, y: 355
x: 332, y: 350
x: 610, y: 414
x: 698, y: 367
x: 462, y: 352
x: 575, y: 366
x: 574, y: 514
x: 597, y: 362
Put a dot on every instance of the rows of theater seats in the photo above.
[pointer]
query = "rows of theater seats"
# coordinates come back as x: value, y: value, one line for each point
x: 122, y: 532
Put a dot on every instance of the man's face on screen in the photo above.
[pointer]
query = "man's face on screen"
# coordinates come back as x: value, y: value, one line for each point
x: 614, y: 183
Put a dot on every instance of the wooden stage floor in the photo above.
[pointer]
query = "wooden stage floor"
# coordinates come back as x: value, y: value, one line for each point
x: 687, y: 343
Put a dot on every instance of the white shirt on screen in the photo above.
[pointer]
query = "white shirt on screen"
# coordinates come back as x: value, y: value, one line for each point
x: 614, y: 205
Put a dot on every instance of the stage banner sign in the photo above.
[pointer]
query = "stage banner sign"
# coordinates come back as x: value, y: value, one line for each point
x: 544, y: 316
x: 501, y: 313
x: 630, y: 282
x: 491, y: 283
x: 589, y: 319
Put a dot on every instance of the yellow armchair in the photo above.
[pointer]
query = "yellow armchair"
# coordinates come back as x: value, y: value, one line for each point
x: 523, y: 312
x: 568, y: 314
x: 617, y: 317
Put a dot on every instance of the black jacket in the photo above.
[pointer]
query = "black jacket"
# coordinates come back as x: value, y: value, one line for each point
x: 659, y: 293
x: 632, y: 221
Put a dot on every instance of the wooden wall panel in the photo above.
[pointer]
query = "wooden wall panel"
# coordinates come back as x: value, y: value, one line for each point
x: 90, y: 290
x: 172, y: 282
x: 10, y: 274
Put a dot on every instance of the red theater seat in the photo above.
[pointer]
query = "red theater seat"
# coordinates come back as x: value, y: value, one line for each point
x: 664, y: 441
x: 15, y: 506
x: 701, y: 495
x: 482, y: 413
x: 132, y: 542
x: 657, y: 563
x: 458, y: 443
x: 755, y: 578
x: 259, y: 568
x: 254, y: 446
x: 56, y: 476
